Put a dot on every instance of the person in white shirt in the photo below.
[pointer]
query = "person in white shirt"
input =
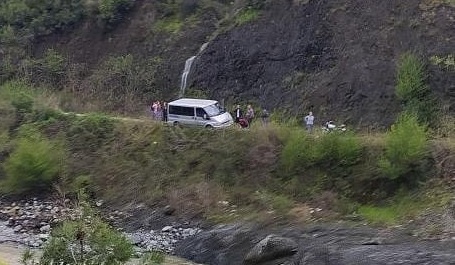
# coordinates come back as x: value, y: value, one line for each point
x: 309, y: 121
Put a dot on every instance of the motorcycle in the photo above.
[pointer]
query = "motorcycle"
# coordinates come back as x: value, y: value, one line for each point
x: 330, y: 126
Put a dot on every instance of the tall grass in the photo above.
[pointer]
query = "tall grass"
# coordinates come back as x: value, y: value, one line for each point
x: 399, y: 208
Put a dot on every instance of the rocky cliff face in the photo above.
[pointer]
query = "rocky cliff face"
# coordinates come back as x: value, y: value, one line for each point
x: 337, y: 59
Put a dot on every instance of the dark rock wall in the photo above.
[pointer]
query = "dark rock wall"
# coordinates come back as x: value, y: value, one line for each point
x: 335, y: 58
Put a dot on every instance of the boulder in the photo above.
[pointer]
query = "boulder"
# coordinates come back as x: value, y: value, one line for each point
x: 270, y: 248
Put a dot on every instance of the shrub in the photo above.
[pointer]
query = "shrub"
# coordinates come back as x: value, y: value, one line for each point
x: 19, y: 94
x: 122, y: 79
x: 111, y: 11
x: 298, y: 153
x: 341, y: 149
x: 171, y: 24
x: 412, y: 90
x: 331, y: 151
x: 40, y: 17
x: 87, y: 240
x: 22, y: 102
x: 406, y: 146
x: 33, y: 165
x: 49, y: 70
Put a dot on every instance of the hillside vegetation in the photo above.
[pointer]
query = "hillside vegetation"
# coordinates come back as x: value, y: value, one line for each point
x: 275, y: 168
x: 106, y: 58
x: 336, y: 59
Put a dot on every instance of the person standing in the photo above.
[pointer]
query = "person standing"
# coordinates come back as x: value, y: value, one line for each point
x: 265, y: 117
x: 164, y: 111
x: 238, y: 114
x: 309, y: 122
x: 249, y: 114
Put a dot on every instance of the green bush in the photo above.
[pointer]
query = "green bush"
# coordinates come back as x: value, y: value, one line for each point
x: 49, y: 70
x: 111, y: 11
x: 40, y: 16
x: 340, y: 149
x: 18, y: 94
x: 412, y: 90
x: 22, y: 102
x: 246, y: 15
x: 86, y: 240
x: 299, y: 152
x: 33, y: 165
x: 331, y: 151
x: 406, y: 146
x: 171, y: 24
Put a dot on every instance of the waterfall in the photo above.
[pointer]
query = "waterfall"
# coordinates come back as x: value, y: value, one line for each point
x: 185, y: 74
x: 187, y: 69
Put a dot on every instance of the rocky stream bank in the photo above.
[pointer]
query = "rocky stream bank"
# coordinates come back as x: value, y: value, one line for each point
x: 29, y: 223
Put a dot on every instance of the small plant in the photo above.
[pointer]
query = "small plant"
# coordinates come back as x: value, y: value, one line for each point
x: 447, y: 62
x: 406, y: 146
x: 86, y: 240
x: 153, y: 258
x: 246, y: 15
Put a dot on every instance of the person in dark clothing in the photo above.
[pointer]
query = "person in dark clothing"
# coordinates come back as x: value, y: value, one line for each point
x: 238, y: 114
x: 164, y: 111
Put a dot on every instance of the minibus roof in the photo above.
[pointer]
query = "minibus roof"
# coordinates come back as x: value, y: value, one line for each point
x: 193, y: 102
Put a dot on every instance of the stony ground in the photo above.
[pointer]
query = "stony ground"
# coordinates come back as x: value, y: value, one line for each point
x: 28, y: 223
x: 11, y: 253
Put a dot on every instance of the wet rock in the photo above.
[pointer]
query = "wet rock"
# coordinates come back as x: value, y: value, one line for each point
x: 270, y: 248
x: 167, y: 228
x: 168, y: 210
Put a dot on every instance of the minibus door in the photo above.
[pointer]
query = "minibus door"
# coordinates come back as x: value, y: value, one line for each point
x: 201, y: 117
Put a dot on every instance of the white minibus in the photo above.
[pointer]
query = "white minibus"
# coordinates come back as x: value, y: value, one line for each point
x: 198, y: 112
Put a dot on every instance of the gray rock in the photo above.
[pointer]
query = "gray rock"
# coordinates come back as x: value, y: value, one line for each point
x: 43, y: 237
x: 270, y: 248
x: 45, y: 228
x: 167, y: 228
x: 135, y: 239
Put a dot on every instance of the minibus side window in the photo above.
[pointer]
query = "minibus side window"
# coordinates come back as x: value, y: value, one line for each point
x: 178, y: 110
x: 200, y: 112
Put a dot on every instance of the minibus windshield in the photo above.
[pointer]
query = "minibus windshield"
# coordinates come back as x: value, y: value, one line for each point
x: 213, y: 110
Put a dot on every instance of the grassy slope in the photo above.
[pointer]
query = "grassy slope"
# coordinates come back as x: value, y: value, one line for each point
x: 193, y: 170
